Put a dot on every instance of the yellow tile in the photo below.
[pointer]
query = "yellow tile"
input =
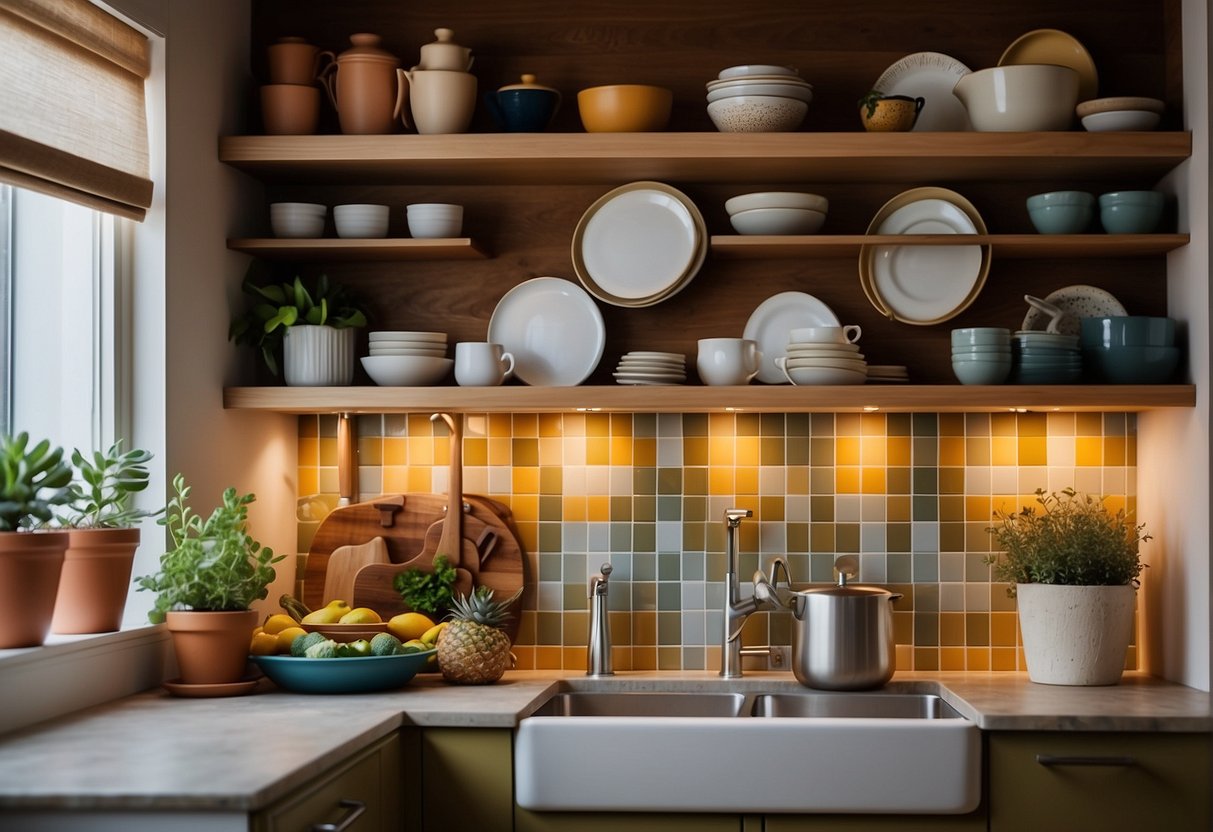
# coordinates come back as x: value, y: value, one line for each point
x: 771, y: 508
x: 575, y: 509
x: 898, y: 449
x: 598, y: 425
x: 549, y: 424
x: 528, y: 533
x: 574, y: 658
x: 501, y: 426
x: 951, y: 450
x: 904, y: 657
x: 926, y: 658
x: 644, y: 658
x: 644, y: 452
x: 846, y: 480
x: 309, y: 451
x: 977, y: 450
x: 525, y: 480
x: 420, y: 478
x: 395, y: 479
x: 1003, y: 424
x: 722, y: 424
x: 846, y: 450
x: 1005, y: 504
x: 1003, y: 629
x: 598, y: 508
x: 524, y: 656
x: 977, y: 658
x: 695, y: 451
x: 308, y: 426
x: 952, y: 629
x: 951, y: 424
x: 328, y: 481
x: 847, y: 424
x: 548, y: 658
x: 746, y: 450
x: 1115, y: 503
x: 872, y: 424
x: 551, y: 479
x: 420, y: 450
x: 1002, y: 658
x: 1033, y: 450
x: 745, y: 480
x: 395, y: 451
x: 328, y: 451
x: 1131, y: 450
x: 573, y: 424
x: 720, y: 480
x: 873, y: 481
x: 309, y: 480
x: 644, y: 628
x: 525, y: 507
x: 621, y: 450
x: 797, y: 477
x: 1004, y: 450
x: 370, y: 450
x: 951, y: 480
x: 1088, y: 450
x: 417, y: 425
x: 721, y: 450
x: 475, y: 451
x: 621, y: 424
x: 1114, y: 450
x: 500, y: 450
x: 978, y: 508
x: 872, y: 450
x: 621, y: 657
x: 951, y: 658
x: 597, y: 450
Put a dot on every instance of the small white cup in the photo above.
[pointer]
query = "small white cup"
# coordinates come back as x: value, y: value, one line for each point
x: 825, y: 334
x: 728, y: 361
x: 482, y: 364
x: 361, y: 221
x: 432, y: 220
x: 297, y: 219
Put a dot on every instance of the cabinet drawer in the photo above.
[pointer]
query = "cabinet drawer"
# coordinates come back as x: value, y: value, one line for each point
x: 1062, y: 781
x: 973, y: 822
x: 526, y: 821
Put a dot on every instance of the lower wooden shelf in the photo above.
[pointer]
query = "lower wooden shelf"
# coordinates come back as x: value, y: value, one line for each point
x: 941, y: 398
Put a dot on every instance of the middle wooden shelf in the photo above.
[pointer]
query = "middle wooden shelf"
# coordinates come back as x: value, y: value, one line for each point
x: 382, y: 250
x: 742, y: 247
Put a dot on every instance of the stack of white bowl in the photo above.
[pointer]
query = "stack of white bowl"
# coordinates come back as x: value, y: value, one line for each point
x: 777, y: 212
x: 1123, y: 113
x: 823, y: 363
x: 651, y: 368
x: 297, y: 219
x: 981, y: 354
x: 407, y: 358
x: 1045, y: 358
x: 758, y: 98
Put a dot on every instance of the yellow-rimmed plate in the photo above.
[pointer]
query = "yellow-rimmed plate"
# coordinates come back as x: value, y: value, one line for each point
x: 924, y: 285
x: 1053, y: 46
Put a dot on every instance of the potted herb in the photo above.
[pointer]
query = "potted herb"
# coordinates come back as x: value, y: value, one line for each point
x: 432, y: 593
x: 33, y: 480
x: 211, y: 574
x: 102, y: 538
x: 311, y: 326
x: 1074, y: 568
x: 882, y: 113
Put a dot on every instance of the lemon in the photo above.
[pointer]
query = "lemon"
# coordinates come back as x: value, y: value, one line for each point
x: 264, y: 644
x: 360, y: 615
x: 409, y: 625
x: 430, y: 636
x: 285, y: 637
x: 328, y: 615
x: 277, y: 623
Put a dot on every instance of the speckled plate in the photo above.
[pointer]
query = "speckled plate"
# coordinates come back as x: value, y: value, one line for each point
x: 930, y: 75
x: 1077, y: 302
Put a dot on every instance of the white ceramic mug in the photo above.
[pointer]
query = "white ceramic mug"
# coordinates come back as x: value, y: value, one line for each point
x: 728, y: 361
x: 825, y: 334
x: 482, y: 364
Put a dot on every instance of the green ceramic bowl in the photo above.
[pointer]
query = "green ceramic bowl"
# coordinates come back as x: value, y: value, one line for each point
x: 1130, y: 212
x: 364, y: 674
x: 1061, y: 212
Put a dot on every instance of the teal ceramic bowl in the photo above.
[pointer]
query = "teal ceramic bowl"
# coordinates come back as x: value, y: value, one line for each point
x: 1061, y: 212
x: 364, y: 674
x: 1131, y: 365
x: 1128, y: 331
x: 981, y: 372
x: 1130, y: 212
x: 981, y: 336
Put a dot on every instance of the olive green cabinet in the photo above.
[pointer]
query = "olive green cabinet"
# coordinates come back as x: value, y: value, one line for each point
x: 526, y: 821
x: 972, y: 822
x: 360, y: 794
x: 1126, y: 781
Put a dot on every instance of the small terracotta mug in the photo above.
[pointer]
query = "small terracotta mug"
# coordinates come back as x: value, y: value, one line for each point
x: 294, y: 61
x: 290, y: 109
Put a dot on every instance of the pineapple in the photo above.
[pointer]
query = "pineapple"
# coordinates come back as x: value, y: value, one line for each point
x: 472, y: 649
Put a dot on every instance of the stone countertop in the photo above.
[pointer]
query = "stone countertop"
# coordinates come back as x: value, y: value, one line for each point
x: 156, y: 751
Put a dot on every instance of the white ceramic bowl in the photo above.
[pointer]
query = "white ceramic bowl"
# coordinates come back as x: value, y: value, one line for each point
x: 746, y: 70
x: 1130, y: 120
x: 757, y: 114
x: 361, y: 220
x: 776, y: 199
x: 406, y: 370
x: 305, y: 208
x: 1023, y: 97
x: 433, y: 220
x: 800, y: 93
x: 777, y: 221
x: 825, y: 375
x: 297, y: 226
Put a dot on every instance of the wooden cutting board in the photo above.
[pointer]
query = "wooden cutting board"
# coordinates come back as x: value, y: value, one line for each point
x: 344, y: 563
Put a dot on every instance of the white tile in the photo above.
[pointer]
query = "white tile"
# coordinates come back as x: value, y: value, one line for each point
x: 440, y: 478
x: 550, y: 595
x: 669, y: 424
x: 977, y: 480
x: 1004, y: 479
x: 796, y: 508
x: 951, y: 566
x: 872, y: 538
x: 597, y: 480
x: 1060, y: 450
x: 621, y: 480
x: 574, y: 480
x: 873, y: 568
x: 476, y: 478
x: 551, y: 450
x: 873, y: 508
x: 952, y: 597
x: 772, y: 538
x: 574, y: 450
x: 694, y: 627
x: 1089, y: 480
x: 501, y: 479
x: 772, y: 479
x: 977, y: 597
x: 598, y: 537
x: 1115, y: 480
x: 669, y: 451
x: 574, y: 537
x: 1032, y: 478
x: 924, y: 536
x: 370, y: 481
x: 669, y: 536
x: 847, y: 508
x: 693, y: 595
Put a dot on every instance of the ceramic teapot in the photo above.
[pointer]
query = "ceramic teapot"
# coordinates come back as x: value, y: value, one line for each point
x: 364, y: 86
x: 445, y: 54
x: 527, y: 107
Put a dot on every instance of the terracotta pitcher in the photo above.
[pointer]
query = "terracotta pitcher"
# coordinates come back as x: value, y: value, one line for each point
x: 362, y: 85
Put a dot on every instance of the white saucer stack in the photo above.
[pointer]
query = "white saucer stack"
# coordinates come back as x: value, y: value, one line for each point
x: 888, y: 373
x: 825, y: 363
x: 649, y: 368
x: 406, y: 342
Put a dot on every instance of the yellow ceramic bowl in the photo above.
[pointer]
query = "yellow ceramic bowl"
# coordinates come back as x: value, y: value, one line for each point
x: 625, y: 108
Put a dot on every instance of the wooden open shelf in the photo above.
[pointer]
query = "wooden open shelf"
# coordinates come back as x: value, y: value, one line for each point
x: 593, y: 158
x: 756, y: 247
x: 948, y: 398
x: 381, y: 250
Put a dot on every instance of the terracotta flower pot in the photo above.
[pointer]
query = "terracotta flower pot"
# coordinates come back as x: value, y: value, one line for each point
x: 95, y: 581
x: 30, y: 564
x: 211, y: 647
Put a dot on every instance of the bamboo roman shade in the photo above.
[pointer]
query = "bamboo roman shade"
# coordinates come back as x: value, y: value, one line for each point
x: 72, y: 117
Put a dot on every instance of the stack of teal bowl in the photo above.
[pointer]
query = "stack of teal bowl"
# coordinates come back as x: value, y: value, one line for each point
x: 1046, y: 358
x: 981, y: 354
x: 1131, y: 349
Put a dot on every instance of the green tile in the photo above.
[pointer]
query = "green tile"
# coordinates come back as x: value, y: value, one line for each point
x: 694, y: 509
x: 952, y: 480
x: 924, y: 451
x: 926, y: 568
x: 669, y: 508
x: 575, y: 596
x: 551, y: 479
x: 821, y: 451
x: 669, y: 480
x: 926, y: 597
x: 644, y: 537
x: 694, y: 424
x: 770, y: 450
x: 822, y: 424
x: 644, y: 480
x: 747, y: 424
x: 621, y: 509
x: 621, y: 537
x: 693, y: 566
x: 694, y: 658
x: 779, y: 627
x: 926, y: 629
x: 644, y: 595
x: 925, y: 481
x: 977, y: 450
x: 797, y: 451
x: 925, y: 424
x: 797, y: 537
x: 668, y: 566
x: 771, y: 424
x: 694, y: 537
x: 821, y: 509
x: 798, y: 424
x: 669, y: 596
x: 897, y: 539
x: 976, y: 568
x: 644, y: 509
x: 977, y: 424
x: 644, y: 424
x: 669, y: 658
x: 798, y: 565
x: 715, y: 562
x: 644, y: 566
x: 669, y: 627
x: 846, y: 538
x: 524, y: 452
x: 899, y: 424
x: 951, y: 537
x: 897, y: 480
x: 821, y: 537
x: 548, y: 628
x: 899, y: 566
x: 924, y: 508
x: 977, y: 629
x: 821, y: 481
x: 551, y: 509
x: 821, y: 567
x: 695, y: 481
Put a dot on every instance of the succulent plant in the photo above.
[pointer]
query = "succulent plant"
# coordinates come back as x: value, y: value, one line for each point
x: 35, y: 480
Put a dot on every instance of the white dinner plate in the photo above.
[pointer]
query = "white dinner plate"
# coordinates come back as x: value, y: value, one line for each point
x: 771, y: 325
x: 553, y: 329
x: 639, y: 244
x: 408, y: 335
x: 931, y: 76
x: 644, y: 382
x: 1075, y: 302
x: 673, y: 356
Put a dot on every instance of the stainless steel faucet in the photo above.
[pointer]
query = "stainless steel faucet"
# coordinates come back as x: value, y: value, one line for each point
x: 767, y: 594
x: 598, y: 650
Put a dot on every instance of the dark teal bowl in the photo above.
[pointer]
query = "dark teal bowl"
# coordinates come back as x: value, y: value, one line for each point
x: 1130, y: 212
x: 1131, y: 365
x: 1128, y: 331
x: 364, y: 674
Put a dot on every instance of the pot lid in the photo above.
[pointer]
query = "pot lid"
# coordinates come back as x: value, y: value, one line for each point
x: 528, y: 83
x: 444, y: 43
x: 366, y: 48
x: 847, y: 591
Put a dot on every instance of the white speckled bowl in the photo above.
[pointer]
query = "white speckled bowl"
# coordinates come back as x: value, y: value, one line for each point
x: 757, y: 114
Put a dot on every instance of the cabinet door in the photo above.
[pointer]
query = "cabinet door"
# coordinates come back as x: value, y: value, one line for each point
x: 527, y: 821
x: 354, y: 786
x: 1068, y: 781
x: 468, y: 780
x: 972, y: 822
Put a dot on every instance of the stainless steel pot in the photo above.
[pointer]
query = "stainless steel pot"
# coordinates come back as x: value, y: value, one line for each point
x: 843, y: 635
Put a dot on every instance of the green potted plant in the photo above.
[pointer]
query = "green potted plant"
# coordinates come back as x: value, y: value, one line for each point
x: 311, y: 326
x: 103, y: 535
x: 209, y: 577
x: 33, y: 480
x: 1074, y: 566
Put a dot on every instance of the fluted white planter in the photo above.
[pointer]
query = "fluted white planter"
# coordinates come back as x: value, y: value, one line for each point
x: 1075, y: 635
x: 318, y: 356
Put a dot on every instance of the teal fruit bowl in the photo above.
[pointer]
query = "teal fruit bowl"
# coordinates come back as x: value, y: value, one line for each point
x: 1130, y: 212
x: 1061, y: 212
x: 364, y: 674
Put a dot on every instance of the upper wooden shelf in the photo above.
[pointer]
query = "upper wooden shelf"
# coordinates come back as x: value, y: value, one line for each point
x: 950, y: 398
x: 384, y: 250
x: 756, y: 247
x: 593, y: 158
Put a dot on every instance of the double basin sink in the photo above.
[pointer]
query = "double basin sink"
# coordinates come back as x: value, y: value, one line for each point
x: 802, y: 752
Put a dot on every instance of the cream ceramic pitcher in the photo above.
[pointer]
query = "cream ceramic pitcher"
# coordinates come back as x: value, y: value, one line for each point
x: 364, y: 87
x: 441, y: 100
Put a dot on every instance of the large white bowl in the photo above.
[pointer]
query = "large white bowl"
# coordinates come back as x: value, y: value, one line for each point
x: 757, y: 114
x: 825, y: 375
x: 776, y: 199
x: 1120, y: 120
x: 406, y: 370
x: 777, y: 221
x: 1022, y: 97
x: 800, y: 93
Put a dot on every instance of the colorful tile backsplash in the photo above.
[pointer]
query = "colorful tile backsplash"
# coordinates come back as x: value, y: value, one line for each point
x: 911, y: 494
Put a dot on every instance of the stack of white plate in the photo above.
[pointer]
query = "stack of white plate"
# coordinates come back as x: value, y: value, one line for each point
x: 407, y: 358
x: 406, y: 342
x: 888, y: 373
x: 824, y: 364
x: 651, y: 368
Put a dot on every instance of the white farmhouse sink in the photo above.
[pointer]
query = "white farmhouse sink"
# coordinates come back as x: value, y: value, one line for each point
x: 787, y: 752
